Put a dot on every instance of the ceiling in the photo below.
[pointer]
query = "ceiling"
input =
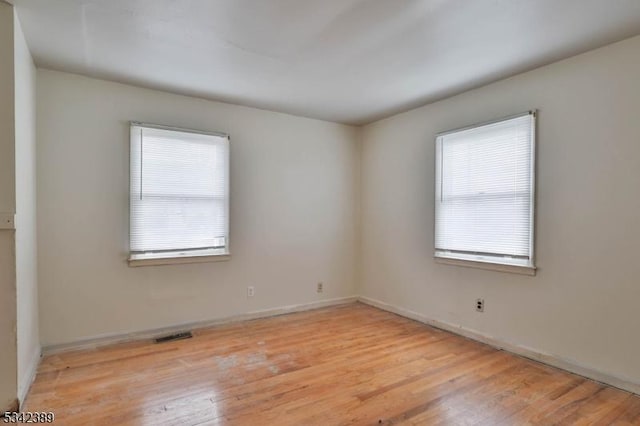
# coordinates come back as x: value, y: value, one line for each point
x: 349, y: 61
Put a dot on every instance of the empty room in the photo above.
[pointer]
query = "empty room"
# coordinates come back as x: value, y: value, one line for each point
x: 338, y: 212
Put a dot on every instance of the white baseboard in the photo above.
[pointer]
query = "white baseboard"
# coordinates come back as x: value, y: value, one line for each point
x: 109, y: 339
x: 549, y: 359
x: 536, y: 355
x: 25, y: 383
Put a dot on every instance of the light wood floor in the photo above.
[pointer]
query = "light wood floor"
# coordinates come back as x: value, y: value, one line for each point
x: 351, y: 364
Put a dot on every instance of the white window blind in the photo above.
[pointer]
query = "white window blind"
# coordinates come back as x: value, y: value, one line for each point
x: 179, y: 192
x: 485, y: 192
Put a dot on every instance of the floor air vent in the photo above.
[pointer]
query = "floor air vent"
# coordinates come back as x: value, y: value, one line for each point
x: 177, y: 336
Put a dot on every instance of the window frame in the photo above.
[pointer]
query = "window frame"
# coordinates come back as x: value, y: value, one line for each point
x: 181, y: 256
x: 477, y: 260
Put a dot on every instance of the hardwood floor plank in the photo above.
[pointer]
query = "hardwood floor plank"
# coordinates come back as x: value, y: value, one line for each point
x: 350, y: 364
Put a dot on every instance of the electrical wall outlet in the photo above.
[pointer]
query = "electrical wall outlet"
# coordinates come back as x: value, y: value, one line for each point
x: 480, y: 305
x: 320, y: 287
x: 251, y: 291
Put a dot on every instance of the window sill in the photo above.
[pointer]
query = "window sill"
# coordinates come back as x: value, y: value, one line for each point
x: 176, y: 258
x: 500, y: 267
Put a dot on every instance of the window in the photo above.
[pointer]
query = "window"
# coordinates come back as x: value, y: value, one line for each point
x: 485, y: 195
x: 179, y: 195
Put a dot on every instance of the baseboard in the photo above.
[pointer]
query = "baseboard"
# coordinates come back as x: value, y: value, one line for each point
x: 549, y: 359
x: 536, y: 355
x: 104, y: 340
x: 25, y: 385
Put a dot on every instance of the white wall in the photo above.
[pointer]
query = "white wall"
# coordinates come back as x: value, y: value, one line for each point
x: 583, y: 304
x: 26, y: 245
x: 8, y: 365
x: 293, y: 210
